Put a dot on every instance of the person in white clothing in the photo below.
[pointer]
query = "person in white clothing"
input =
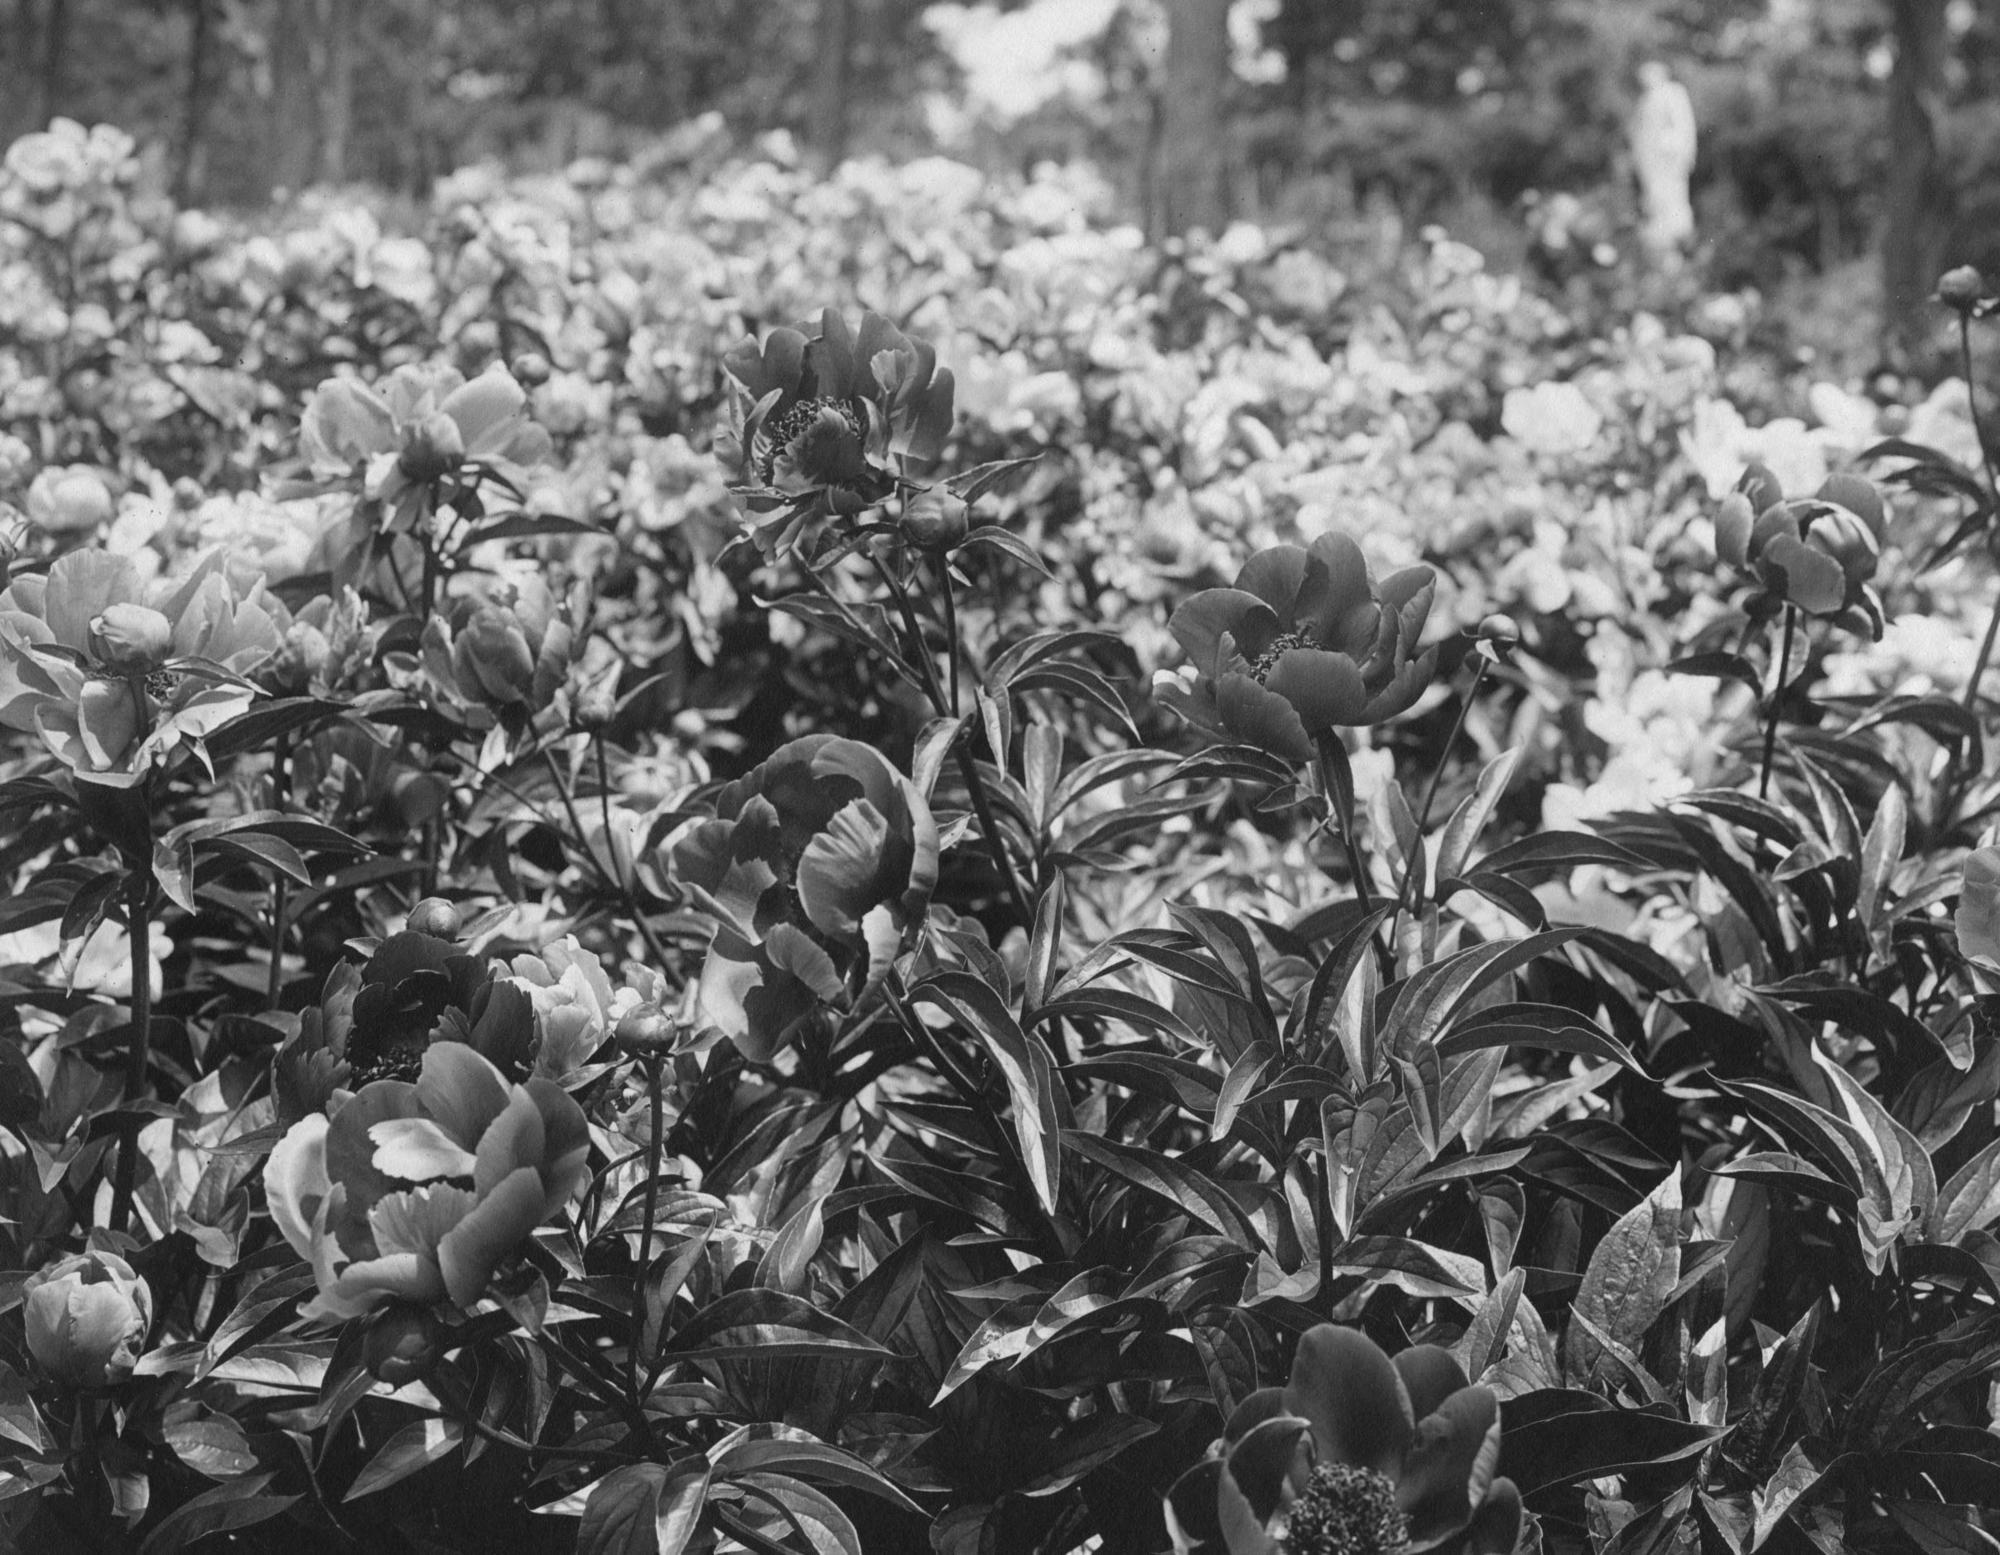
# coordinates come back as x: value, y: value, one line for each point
x: 1663, y: 146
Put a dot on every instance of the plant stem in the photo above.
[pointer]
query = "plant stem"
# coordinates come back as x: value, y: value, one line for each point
x: 653, y: 945
x: 610, y: 874
x: 950, y: 599
x: 1993, y: 489
x: 1430, y: 797
x: 281, y: 791
x: 1339, y: 803
x: 138, y: 1045
x: 1777, y: 696
x: 982, y: 807
x: 656, y: 1137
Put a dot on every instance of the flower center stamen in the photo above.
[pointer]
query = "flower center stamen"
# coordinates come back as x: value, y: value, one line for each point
x: 801, y: 419
x: 1282, y: 644
x: 1346, y: 1510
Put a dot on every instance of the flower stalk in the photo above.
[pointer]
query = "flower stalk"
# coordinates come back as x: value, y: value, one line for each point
x: 1993, y: 488
x: 1776, y: 701
x: 139, y: 887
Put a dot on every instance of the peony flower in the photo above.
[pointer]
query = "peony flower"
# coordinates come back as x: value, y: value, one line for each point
x: 1816, y: 554
x: 87, y: 1317
x: 378, y: 1020
x: 1551, y: 418
x: 417, y: 426
x: 418, y: 1192
x: 1303, y: 643
x: 117, y: 674
x: 508, y: 650
x: 574, y: 1003
x: 1356, y: 1455
x: 818, y: 868
x: 821, y: 410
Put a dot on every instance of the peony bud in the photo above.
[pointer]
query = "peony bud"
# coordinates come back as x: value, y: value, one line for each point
x: 87, y: 1317
x: 935, y: 519
x: 131, y: 639
x: 433, y: 449
x: 531, y: 368
x: 70, y: 501
x: 647, y: 1029
x: 437, y: 917
x: 301, y: 659
x: 401, y: 1344
x: 1962, y: 288
x: 1499, y: 630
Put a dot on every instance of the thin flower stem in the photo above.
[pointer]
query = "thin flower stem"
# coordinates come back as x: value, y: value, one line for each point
x: 982, y: 807
x: 281, y: 791
x: 631, y: 894
x: 1343, y: 821
x: 1993, y: 489
x: 1403, y: 902
x: 950, y: 598
x: 607, y: 873
x: 1777, y: 696
x: 138, y: 1046
x: 655, y: 1140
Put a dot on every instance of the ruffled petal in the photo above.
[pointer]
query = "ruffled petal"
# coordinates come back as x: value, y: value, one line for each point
x: 1203, y: 620
x: 1256, y: 717
x: 1360, y: 1412
x: 1325, y: 689
x: 473, y: 1248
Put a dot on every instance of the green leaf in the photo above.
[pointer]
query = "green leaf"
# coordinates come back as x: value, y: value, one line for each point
x: 1469, y: 820
x: 1971, y: 1200
x: 239, y: 1504
x: 1180, y: 1185
x: 768, y: 1324
x: 213, y: 1445
x: 416, y: 1446
x: 1630, y: 1274
x: 1557, y: 1436
x: 645, y: 1509
x: 1024, y: 1064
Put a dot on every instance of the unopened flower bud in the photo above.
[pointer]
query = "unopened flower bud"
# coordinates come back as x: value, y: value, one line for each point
x: 301, y: 658
x: 433, y: 449
x: 531, y: 368
x: 437, y: 917
x: 935, y: 519
x: 1962, y: 288
x: 131, y: 639
x: 1499, y: 630
x: 70, y: 501
x: 87, y: 1318
x: 401, y: 1344
x: 648, y: 1029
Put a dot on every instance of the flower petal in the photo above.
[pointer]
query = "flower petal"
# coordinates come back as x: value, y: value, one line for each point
x: 1202, y: 621
x: 1431, y: 1374
x: 473, y: 1248
x: 1277, y: 576
x: 462, y: 1091
x: 1254, y: 716
x: 1496, y: 1527
x: 417, y: 1150
x: 1324, y: 689
x: 1337, y: 604
x: 1346, y: 1386
x: 1271, y: 1462
x: 1450, y: 1464
x: 836, y: 877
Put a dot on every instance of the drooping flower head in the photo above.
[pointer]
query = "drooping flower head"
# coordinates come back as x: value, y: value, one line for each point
x: 821, y: 410
x: 1816, y: 554
x: 116, y: 674
x: 1356, y: 1455
x: 817, y: 867
x: 418, y: 1192
x: 1304, y: 642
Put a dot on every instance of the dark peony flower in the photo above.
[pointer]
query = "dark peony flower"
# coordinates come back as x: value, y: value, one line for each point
x: 820, y: 413
x: 1304, y: 642
x: 1356, y: 1455
x: 1816, y: 554
x: 412, y: 1193
x: 377, y: 1020
x: 818, y: 868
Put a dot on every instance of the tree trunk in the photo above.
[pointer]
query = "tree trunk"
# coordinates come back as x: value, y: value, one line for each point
x: 1192, y: 179
x: 834, y: 41
x: 188, y: 163
x: 1914, y: 212
x: 312, y: 90
x: 55, y: 61
x: 334, y: 76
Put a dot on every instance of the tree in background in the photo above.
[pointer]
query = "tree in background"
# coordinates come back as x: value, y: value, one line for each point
x: 1916, y: 208
x: 1191, y: 178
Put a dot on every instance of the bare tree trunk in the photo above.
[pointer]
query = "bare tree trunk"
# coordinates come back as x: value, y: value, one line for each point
x: 55, y: 61
x: 834, y: 41
x: 1193, y: 174
x: 336, y: 37
x: 188, y: 166
x: 1914, y: 213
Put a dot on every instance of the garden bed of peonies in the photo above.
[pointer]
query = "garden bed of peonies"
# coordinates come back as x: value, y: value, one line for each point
x: 706, y: 858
